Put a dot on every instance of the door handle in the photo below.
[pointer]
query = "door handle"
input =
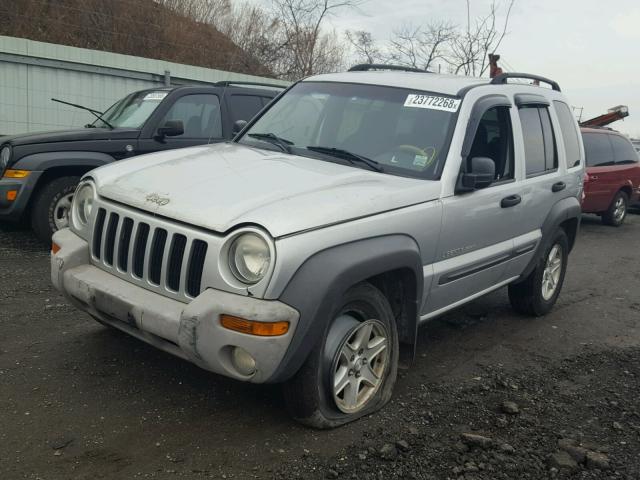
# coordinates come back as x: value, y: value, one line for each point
x: 556, y: 187
x: 510, y: 201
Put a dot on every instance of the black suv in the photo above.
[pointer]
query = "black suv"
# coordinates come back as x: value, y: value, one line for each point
x: 39, y: 172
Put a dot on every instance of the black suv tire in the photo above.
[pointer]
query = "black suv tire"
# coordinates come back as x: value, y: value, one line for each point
x: 617, y: 211
x: 527, y: 297
x: 310, y: 395
x: 44, y: 205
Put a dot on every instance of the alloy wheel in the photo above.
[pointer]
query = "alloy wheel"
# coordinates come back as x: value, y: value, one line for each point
x: 61, y: 211
x: 552, y: 272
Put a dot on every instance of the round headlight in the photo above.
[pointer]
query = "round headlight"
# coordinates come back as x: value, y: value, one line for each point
x: 249, y: 258
x: 83, y: 204
x: 5, y: 156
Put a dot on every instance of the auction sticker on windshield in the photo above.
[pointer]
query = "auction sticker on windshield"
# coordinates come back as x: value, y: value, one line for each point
x: 155, y: 96
x: 432, y: 102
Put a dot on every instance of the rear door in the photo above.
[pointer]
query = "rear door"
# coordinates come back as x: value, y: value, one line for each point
x: 602, y: 182
x: 627, y: 169
x: 545, y: 180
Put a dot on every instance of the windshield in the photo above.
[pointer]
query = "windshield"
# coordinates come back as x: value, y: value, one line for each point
x: 405, y: 132
x: 133, y: 110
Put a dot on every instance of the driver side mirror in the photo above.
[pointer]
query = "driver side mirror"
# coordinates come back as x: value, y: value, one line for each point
x: 238, y: 125
x: 482, y: 174
x: 171, y: 128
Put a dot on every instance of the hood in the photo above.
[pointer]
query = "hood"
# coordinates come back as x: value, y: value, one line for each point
x: 80, y: 134
x: 220, y: 186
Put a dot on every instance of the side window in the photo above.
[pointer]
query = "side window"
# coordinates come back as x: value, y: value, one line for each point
x: 200, y: 115
x: 494, y: 140
x: 598, y: 149
x: 539, y: 142
x: 244, y: 107
x: 569, y: 133
x: 623, y: 151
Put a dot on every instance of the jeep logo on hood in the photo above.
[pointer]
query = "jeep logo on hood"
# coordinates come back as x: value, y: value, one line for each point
x: 157, y: 199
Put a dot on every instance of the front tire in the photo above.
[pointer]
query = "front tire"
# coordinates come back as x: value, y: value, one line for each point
x: 537, y: 294
x: 352, y: 371
x: 617, y: 211
x: 51, y: 207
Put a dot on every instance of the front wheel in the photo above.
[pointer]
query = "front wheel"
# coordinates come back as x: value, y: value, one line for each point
x: 537, y: 294
x: 52, y: 206
x: 617, y: 211
x: 351, y: 372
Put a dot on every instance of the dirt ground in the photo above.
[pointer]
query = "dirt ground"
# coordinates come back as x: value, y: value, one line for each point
x: 491, y: 394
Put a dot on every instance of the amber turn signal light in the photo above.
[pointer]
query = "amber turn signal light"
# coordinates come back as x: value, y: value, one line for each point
x: 12, y: 195
x: 251, y: 327
x: 55, y: 248
x: 16, y: 173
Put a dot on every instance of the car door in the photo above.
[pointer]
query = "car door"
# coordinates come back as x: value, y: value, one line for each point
x: 201, y: 119
x: 600, y: 168
x: 626, y: 163
x: 479, y: 227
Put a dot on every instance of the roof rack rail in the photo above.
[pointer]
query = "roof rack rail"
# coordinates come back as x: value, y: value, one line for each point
x: 503, y: 77
x: 365, y: 67
x: 226, y: 83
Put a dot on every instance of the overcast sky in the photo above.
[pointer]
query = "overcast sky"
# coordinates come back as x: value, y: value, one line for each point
x: 591, y: 47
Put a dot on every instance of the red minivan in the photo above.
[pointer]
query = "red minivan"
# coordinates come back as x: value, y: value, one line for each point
x: 612, y: 182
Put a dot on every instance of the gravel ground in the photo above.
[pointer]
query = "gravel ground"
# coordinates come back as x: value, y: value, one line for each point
x: 491, y: 395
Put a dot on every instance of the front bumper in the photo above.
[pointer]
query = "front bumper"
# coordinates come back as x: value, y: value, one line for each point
x: 13, y: 210
x: 190, y: 331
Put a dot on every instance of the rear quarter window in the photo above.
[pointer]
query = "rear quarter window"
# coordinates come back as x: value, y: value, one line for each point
x: 569, y: 129
x: 598, y: 149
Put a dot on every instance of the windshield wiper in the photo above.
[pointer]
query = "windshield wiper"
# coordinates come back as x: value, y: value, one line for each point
x: 283, y: 143
x: 96, y: 113
x: 351, y: 157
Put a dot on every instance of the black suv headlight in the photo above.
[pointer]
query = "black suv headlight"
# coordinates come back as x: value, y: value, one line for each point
x: 5, y: 156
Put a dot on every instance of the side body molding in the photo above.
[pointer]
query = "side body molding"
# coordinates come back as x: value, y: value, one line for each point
x: 317, y: 286
x: 46, y: 160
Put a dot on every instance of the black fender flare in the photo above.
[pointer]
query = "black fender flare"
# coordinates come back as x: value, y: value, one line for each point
x: 319, y: 283
x: 563, y: 210
x: 47, y: 160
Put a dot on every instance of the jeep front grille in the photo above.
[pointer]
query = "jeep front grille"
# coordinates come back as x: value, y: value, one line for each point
x: 150, y: 252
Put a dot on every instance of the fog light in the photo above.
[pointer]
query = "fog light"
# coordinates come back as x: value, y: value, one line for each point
x: 243, y: 361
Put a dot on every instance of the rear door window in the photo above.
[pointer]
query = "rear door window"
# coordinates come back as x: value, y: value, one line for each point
x: 623, y: 151
x: 539, y: 140
x: 598, y: 149
x: 569, y: 130
x: 245, y: 107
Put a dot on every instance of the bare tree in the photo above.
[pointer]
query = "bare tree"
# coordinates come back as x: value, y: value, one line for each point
x: 309, y: 48
x: 469, y: 50
x: 421, y: 46
x: 365, y: 47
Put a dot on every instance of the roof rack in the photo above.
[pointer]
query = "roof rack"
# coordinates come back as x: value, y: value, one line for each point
x: 365, y: 67
x: 226, y: 83
x: 503, y: 77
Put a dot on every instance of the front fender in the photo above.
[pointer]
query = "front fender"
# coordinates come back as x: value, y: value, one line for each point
x: 317, y: 286
x: 46, y: 160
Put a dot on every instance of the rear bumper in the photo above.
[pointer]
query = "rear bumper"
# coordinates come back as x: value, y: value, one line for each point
x: 12, y: 211
x: 190, y: 331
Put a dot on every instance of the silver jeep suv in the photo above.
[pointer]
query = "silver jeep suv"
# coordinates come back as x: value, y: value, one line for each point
x: 351, y: 210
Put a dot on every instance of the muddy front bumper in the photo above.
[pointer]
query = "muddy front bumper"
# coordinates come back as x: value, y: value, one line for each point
x: 191, y: 331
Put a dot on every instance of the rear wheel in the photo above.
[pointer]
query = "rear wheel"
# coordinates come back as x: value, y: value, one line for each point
x: 352, y: 371
x: 617, y: 211
x: 537, y: 294
x: 51, y: 207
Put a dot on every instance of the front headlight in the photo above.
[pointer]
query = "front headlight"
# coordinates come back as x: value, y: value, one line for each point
x: 83, y: 205
x: 5, y: 156
x: 249, y: 258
